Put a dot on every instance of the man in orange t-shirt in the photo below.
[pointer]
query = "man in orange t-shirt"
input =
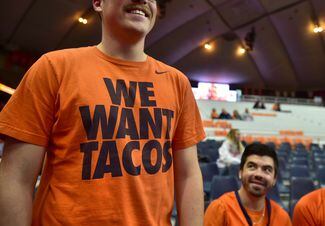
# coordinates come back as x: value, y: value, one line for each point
x: 310, y: 209
x: 249, y: 205
x: 118, y: 128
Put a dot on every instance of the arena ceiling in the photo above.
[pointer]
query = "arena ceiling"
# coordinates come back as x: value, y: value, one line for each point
x: 287, y: 54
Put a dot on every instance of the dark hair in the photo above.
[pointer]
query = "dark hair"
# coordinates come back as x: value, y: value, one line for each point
x: 162, y: 7
x: 260, y: 150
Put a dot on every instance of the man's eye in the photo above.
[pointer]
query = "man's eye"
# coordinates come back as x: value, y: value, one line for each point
x: 269, y: 170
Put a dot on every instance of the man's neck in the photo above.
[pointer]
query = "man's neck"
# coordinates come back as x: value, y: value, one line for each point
x: 251, y: 202
x: 124, y: 48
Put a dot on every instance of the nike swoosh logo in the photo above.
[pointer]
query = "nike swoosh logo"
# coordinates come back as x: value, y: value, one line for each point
x: 160, y: 72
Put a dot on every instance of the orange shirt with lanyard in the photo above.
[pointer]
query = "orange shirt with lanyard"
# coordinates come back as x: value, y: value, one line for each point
x: 255, y: 218
x: 228, y: 210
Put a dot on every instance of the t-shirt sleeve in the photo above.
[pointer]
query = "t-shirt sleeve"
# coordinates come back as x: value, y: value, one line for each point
x: 189, y: 130
x: 286, y: 220
x: 29, y: 114
x: 303, y: 215
x: 215, y: 214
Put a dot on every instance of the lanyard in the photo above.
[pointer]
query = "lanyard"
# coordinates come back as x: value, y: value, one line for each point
x: 248, y: 219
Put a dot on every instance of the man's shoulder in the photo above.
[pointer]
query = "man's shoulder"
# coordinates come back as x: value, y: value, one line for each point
x: 218, y: 203
x: 163, y: 67
x: 313, y: 198
x: 278, y: 210
x: 72, y: 53
x: 228, y: 198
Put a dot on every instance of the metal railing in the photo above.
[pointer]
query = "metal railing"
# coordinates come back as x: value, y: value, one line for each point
x: 281, y: 100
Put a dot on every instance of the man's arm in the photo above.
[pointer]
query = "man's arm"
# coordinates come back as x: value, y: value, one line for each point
x: 302, y: 215
x: 188, y: 187
x: 19, y: 168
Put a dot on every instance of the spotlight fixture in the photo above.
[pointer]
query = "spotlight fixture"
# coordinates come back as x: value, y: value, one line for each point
x: 250, y: 39
x: 82, y: 20
x: 208, y: 46
x: 318, y: 29
x: 241, y: 51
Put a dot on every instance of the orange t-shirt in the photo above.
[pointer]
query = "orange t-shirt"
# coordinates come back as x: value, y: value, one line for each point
x: 226, y: 211
x: 310, y: 209
x: 110, y: 128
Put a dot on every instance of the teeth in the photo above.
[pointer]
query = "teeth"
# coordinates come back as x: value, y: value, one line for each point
x: 139, y: 12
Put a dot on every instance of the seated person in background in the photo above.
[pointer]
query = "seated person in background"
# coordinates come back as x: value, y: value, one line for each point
x: 276, y: 107
x: 247, y: 116
x: 310, y: 209
x: 214, y: 114
x: 224, y: 114
x: 230, y: 151
x: 249, y: 205
x: 236, y: 115
x: 259, y: 105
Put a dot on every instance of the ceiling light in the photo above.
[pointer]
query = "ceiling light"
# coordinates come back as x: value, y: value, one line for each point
x: 241, y: 51
x: 82, y: 20
x: 318, y: 29
x: 208, y: 46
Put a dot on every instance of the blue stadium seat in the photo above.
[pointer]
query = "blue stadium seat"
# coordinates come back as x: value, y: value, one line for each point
x: 299, y: 171
x: 315, y: 147
x: 213, y: 169
x: 283, y: 155
x: 320, y: 175
x: 209, y: 149
x: 285, y: 146
x: 319, y: 162
x: 320, y: 154
x: 233, y: 170
x: 208, y: 171
x: 283, y: 168
x: 221, y: 185
x: 292, y: 205
x: 300, y: 146
x: 280, y: 185
x: 301, y: 161
x: 275, y: 196
x: 301, y: 153
x: 213, y: 154
x: 282, y: 164
x: 300, y: 186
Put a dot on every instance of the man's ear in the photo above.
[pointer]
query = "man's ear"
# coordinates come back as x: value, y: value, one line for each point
x: 97, y: 5
x: 274, y: 183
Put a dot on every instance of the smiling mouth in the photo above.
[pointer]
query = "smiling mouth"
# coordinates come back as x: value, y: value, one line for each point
x: 138, y: 11
x: 258, y: 183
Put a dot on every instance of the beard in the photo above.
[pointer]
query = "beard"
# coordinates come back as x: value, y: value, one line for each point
x: 257, y: 187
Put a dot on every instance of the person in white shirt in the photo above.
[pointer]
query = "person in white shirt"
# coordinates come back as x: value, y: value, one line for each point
x: 230, y: 151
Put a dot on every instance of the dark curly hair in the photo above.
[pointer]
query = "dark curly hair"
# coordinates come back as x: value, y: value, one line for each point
x: 260, y: 150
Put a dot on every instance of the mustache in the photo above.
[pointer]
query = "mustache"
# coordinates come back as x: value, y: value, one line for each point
x: 260, y: 181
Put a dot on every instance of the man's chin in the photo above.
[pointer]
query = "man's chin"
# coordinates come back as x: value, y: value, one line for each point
x: 257, y: 191
x: 257, y: 194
